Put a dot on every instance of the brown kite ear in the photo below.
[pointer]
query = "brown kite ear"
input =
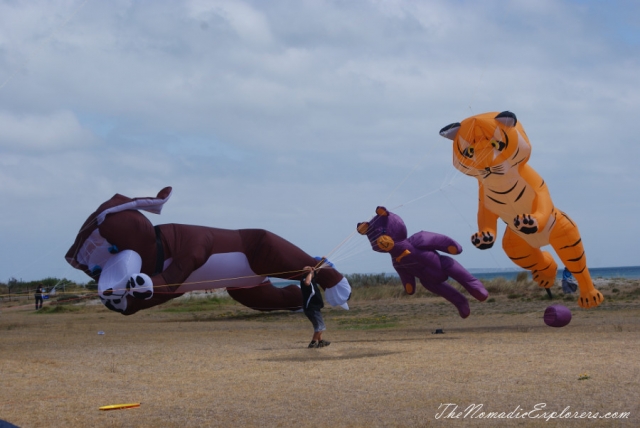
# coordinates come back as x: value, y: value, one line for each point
x: 362, y: 228
x: 164, y: 193
x: 382, y: 211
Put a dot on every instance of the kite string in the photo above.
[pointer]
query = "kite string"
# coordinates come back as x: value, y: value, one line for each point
x: 321, y: 264
x: 451, y: 178
x: 405, y: 178
x: 449, y: 182
x: 338, y: 247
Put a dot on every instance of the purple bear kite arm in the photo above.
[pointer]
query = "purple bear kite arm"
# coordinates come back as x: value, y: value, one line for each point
x: 434, y: 241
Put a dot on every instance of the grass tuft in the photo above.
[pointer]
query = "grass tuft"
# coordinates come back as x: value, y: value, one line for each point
x: 60, y: 309
x: 197, y: 304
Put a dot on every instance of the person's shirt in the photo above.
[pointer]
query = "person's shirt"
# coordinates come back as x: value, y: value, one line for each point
x: 311, y: 297
x: 566, y: 275
x: 39, y: 292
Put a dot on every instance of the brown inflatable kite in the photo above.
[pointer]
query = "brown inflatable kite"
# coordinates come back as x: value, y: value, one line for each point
x: 138, y: 265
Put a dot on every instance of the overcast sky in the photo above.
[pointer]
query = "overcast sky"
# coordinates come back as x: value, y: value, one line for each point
x: 300, y: 117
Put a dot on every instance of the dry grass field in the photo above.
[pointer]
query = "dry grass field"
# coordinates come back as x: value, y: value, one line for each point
x: 214, y: 363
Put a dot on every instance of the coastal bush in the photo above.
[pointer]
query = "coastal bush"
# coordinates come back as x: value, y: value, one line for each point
x: 358, y: 280
x: 381, y: 291
x: 497, y: 285
x: 388, y: 286
x: 522, y: 286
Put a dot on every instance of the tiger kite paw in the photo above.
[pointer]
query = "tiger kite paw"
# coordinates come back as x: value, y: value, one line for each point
x: 545, y: 278
x: 526, y: 223
x: 590, y: 299
x: 483, y: 240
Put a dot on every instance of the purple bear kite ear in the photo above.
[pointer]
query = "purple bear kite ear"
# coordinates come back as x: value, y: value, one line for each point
x: 363, y: 228
x: 382, y: 211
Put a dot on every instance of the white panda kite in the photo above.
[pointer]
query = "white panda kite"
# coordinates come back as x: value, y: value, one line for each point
x: 138, y: 265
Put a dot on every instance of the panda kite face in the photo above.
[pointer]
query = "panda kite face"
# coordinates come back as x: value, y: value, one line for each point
x: 95, y: 252
x: 140, y: 287
x: 121, y: 279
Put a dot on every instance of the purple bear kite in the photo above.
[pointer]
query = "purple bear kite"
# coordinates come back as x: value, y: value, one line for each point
x: 417, y: 256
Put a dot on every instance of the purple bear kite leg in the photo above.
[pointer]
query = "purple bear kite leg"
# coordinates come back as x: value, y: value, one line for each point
x: 417, y: 256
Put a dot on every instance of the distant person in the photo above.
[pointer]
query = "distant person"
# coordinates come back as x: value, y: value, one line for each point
x: 569, y: 284
x: 39, y: 295
x: 312, y: 303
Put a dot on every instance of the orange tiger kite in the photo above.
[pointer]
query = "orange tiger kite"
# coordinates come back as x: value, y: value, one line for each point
x: 493, y: 148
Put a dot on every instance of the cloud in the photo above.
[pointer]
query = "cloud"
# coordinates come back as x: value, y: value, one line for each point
x: 59, y: 130
x: 247, y: 22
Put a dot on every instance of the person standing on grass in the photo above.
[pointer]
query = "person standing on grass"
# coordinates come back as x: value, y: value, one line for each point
x: 312, y: 303
x: 39, y: 293
x: 569, y: 284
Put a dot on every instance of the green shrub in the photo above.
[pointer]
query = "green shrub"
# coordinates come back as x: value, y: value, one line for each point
x: 357, y: 280
x: 67, y: 299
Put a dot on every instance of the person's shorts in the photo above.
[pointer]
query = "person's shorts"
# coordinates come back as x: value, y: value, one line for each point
x: 315, y: 316
x: 569, y: 287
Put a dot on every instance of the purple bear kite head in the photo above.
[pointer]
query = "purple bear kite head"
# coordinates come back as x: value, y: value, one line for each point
x: 384, y: 230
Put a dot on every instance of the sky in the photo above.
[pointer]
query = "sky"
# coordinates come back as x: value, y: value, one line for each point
x: 301, y: 117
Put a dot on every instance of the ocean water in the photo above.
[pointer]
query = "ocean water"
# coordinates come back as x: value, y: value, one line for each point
x: 627, y: 272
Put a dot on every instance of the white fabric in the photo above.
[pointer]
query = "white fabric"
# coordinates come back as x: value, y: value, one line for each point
x: 220, y: 271
x: 313, y: 293
x: 339, y: 294
x: 117, y: 271
x: 152, y: 205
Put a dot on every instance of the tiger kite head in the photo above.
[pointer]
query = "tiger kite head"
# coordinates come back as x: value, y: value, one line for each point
x: 488, y: 143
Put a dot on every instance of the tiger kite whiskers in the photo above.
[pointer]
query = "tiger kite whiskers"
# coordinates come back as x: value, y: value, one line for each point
x: 494, y: 148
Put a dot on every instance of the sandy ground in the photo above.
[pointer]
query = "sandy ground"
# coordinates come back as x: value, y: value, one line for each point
x: 233, y: 367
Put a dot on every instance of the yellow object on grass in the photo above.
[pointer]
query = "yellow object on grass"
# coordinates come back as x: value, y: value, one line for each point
x: 120, y: 406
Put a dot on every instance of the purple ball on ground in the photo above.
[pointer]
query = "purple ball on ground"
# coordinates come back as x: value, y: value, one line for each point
x: 557, y: 316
